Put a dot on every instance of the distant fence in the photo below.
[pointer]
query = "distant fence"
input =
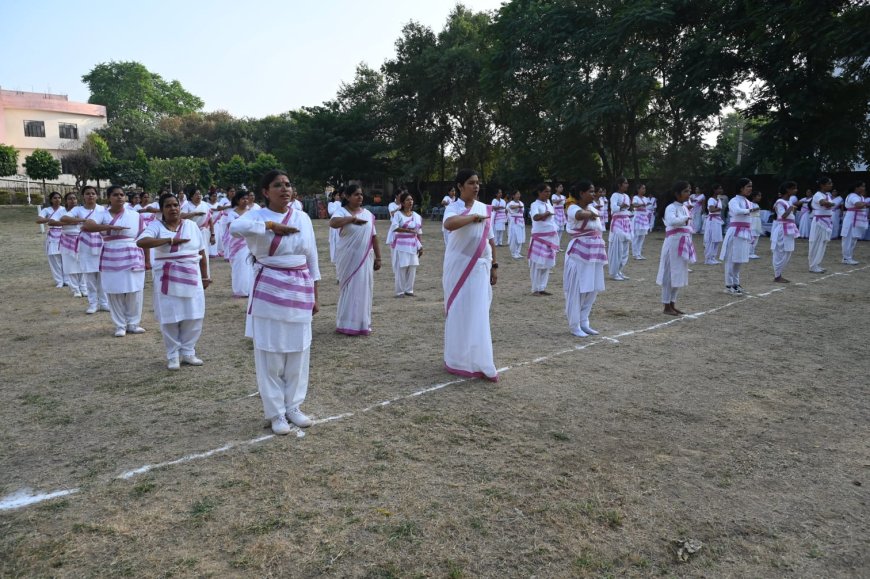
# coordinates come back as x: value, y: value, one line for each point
x: 28, y: 192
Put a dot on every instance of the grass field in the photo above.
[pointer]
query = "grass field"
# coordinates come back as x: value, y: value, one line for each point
x: 744, y: 426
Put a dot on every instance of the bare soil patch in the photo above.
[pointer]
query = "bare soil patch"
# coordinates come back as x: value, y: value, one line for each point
x: 745, y: 428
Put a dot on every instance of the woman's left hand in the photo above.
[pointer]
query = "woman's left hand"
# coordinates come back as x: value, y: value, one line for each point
x: 206, y: 283
x: 279, y: 229
x: 377, y: 265
x: 493, y: 276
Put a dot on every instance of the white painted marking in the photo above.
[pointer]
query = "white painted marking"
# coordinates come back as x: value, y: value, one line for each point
x: 611, y: 340
x: 26, y: 497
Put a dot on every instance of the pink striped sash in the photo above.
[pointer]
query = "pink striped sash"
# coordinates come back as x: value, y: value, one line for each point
x: 825, y: 220
x: 93, y: 241
x: 559, y: 214
x: 685, y: 248
x: 276, y: 240
x: 788, y: 227
x: 859, y: 217
x: 588, y: 246
x: 621, y: 222
x: 499, y: 216
x: 542, y: 245
x: 54, y: 231
x: 478, y: 251
x: 742, y: 230
x: 69, y: 242
x: 405, y: 240
x: 517, y: 218
x: 123, y: 258
x: 179, y: 279
x: 289, y: 287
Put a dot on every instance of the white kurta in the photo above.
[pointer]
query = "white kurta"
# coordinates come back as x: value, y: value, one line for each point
x: 333, y: 233
x: 468, y: 296
x: 585, y: 255
x: 820, y: 230
x: 676, y: 255
x: 169, y: 307
x: 69, y: 245
x: 738, y: 239
x: 128, y: 280
x: 90, y: 244
x: 354, y: 263
x: 52, y: 239
x: 237, y: 252
x: 782, y: 235
x: 516, y: 226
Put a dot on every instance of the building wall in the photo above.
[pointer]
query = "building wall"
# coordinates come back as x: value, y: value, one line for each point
x: 17, y: 107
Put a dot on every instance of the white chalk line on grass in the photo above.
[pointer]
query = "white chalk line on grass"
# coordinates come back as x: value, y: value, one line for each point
x: 26, y: 497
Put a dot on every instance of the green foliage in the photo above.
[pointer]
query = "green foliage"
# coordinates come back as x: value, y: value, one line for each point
x: 87, y: 162
x: 173, y: 174
x: 129, y: 90
x: 233, y: 173
x: 262, y: 165
x: 8, y: 160
x: 42, y: 165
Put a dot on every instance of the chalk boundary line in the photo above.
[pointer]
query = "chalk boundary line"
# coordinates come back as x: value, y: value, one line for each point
x: 26, y: 497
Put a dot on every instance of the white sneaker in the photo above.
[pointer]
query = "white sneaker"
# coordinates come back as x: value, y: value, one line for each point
x: 280, y: 426
x: 850, y: 262
x: 589, y: 330
x: 298, y: 418
x: 120, y: 333
x: 617, y: 277
x: 104, y: 308
x: 579, y: 333
x: 173, y: 364
x: 77, y: 294
x: 753, y: 256
x: 59, y: 285
x: 91, y: 310
x: 135, y: 329
x: 817, y: 270
x: 191, y: 361
x: 730, y: 290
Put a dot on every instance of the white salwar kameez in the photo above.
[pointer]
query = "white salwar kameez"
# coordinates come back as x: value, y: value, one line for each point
x: 543, y: 246
x: 499, y: 220
x: 677, y: 252
x: 755, y: 228
x: 782, y: 236
x: 90, y: 246
x: 280, y: 306
x: 854, y: 225
x: 203, y: 223
x: 712, y: 231
x: 640, y: 225
x: 333, y: 233
x: 404, y: 248
x: 621, y: 233
x: 468, y: 295
x: 179, y: 299
x: 237, y: 253
x: 583, y: 276
x: 52, y: 245
x: 354, y: 264
x: 738, y: 240
x: 122, y: 268
x: 805, y: 220
x: 558, y: 202
x: 820, y: 231
x: 69, y: 241
x: 697, y: 204
x: 516, y: 227
x: 836, y: 216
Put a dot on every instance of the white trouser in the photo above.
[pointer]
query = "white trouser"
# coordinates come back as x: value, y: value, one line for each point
x: 540, y: 276
x: 559, y: 232
x: 126, y: 309
x: 96, y: 295
x: 577, y: 310
x: 711, y: 250
x: 669, y: 294
x: 499, y: 236
x: 282, y: 379
x: 617, y: 254
x: 637, y: 243
x: 55, y: 264
x: 405, y: 279
x: 181, y: 337
x: 516, y: 246
x: 818, y: 245
x: 732, y: 273
x: 780, y: 260
x: 754, y: 243
x: 849, y: 242
x: 77, y: 283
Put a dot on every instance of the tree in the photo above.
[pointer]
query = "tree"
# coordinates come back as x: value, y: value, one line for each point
x: 42, y: 165
x: 174, y: 173
x: 85, y: 161
x: 129, y: 90
x: 233, y: 173
x: 262, y: 165
x: 8, y: 160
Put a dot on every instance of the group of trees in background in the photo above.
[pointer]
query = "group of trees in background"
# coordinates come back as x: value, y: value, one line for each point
x: 539, y: 89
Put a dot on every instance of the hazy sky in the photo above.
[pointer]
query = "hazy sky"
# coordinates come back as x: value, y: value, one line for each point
x: 251, y: 58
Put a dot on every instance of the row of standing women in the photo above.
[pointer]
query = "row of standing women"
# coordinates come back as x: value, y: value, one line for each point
x: 282, y: 294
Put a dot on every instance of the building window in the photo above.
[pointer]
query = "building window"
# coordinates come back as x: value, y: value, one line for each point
x: 69, y: 131
x: 34, y: 129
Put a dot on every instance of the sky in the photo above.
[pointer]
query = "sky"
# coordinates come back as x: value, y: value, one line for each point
x: 251, y: 58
